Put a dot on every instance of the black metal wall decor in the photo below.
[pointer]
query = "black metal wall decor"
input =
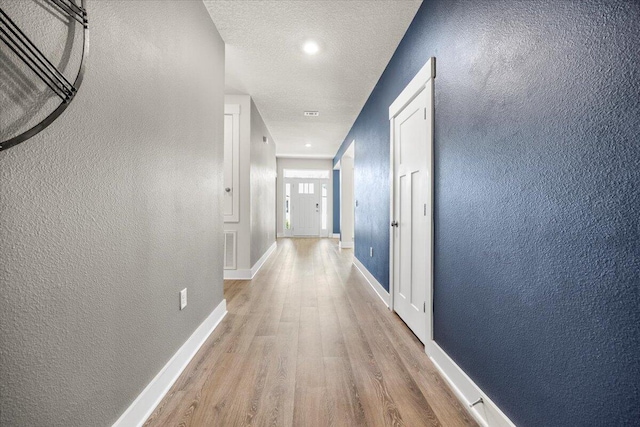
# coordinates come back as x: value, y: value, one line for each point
x: 33, y: 58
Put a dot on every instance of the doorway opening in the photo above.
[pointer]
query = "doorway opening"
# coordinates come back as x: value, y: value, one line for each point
x: 348, y: 204
x: 306, y: 203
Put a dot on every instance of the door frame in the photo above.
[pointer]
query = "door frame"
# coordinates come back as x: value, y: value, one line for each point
x: 233, y: 110
x: 349, y: 209
x: 318, y: 182
x: 421, y: 82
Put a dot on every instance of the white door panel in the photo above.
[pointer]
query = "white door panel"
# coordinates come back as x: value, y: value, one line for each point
x: 231, y: 170
x: 412, y: 211
x: 228, y: 164
x: 305, y: 209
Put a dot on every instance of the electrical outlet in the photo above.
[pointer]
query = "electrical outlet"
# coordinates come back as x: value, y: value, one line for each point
x: 371, y: 251
x: 183, y: 298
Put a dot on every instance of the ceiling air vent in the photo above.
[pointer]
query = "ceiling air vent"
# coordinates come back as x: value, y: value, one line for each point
x: 311, y: 113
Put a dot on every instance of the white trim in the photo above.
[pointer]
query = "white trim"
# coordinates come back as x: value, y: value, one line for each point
x: 336, y: 235
x: 233, y: 110
x: 311, y: 173
x: 377, y: 287
x: 280, y: 235
x: 146, y: 402
x: 258, y: 265
x: 417, y: 86
x: 246, y: 274
x: 391, y: 207
x: 305, y: 156
x: 343, y: 245
x: 241, y: 274
x: 413, y: 89
x: 487, y: 413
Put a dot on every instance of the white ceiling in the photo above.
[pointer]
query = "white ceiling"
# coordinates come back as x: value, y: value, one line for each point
x: 264, y: 58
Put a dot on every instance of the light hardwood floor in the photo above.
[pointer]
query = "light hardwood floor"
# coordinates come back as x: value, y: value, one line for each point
x: 308, y: 343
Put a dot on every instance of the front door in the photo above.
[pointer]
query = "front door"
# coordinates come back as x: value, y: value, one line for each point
x: 412, y: 213
x: 305, y: 209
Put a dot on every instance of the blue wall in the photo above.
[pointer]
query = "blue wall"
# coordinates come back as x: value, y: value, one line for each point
x: 336, y: 201
x: 537, y: 199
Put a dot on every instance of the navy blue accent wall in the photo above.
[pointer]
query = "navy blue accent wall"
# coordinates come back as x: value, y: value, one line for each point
x: 336, y: 201
x: 537, y: 199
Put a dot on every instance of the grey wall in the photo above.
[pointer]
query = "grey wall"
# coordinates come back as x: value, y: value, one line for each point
x: 537, y: 199
x: 263, y: 187
x: 108, y: 213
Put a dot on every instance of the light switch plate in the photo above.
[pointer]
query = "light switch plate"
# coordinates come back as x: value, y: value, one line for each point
x: 183, y: 298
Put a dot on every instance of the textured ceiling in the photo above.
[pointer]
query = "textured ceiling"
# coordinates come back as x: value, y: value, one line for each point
x: 265, y: 59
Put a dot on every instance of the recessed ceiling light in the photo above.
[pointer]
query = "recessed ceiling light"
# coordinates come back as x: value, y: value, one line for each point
x: 311, y: 47
x: 307, y: 145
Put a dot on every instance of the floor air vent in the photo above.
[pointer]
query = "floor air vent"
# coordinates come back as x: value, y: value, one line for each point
x: 230, y: 250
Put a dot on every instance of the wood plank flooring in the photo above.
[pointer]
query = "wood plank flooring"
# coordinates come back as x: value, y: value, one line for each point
x: 308, y: 343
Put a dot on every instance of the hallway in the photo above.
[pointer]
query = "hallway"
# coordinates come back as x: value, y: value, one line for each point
x: 308, y: 343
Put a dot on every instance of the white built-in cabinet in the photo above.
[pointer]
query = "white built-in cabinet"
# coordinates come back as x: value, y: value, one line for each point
x: 231, y: 205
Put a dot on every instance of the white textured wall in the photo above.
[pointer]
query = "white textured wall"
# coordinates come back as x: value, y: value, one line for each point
x: 287, y: 163
x: 263, y: 187
x: 108, y: 213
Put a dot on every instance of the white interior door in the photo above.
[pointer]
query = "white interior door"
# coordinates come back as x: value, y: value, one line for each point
x: 412, y: 207
x: 305, y: 209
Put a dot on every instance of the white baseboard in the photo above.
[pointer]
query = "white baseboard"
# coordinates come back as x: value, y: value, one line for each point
x: 345, y: 245
x: 336, y: 235
x: 240, y: 274
x: 144, y: 405
x: 258, y: 265
x: 279, y: 235
x: 246, y: 274
x: 377, y: 287
x: 487, y: 413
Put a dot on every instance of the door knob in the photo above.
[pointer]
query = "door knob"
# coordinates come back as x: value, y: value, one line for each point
x: 228, y: 190
x: 394, y: 223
